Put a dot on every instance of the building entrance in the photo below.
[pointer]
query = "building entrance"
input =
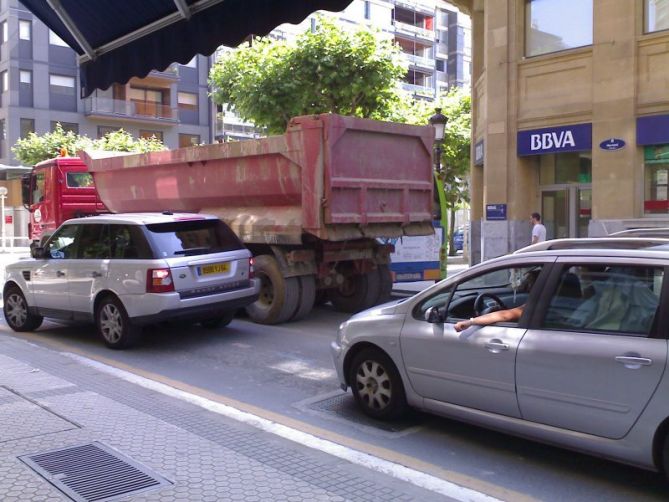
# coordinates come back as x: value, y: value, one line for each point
x: 566, y: 210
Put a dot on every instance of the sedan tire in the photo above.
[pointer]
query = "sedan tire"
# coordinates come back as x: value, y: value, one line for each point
x: 113, y: 324
x: 377, y: 385
x: 16, y: 311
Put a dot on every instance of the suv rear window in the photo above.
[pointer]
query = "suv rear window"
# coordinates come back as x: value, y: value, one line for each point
x: 192, y: 237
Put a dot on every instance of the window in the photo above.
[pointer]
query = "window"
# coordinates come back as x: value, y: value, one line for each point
x: 187, y: 101
x: 38, y: 191
x: 104, y: 130
x: 656, y: 15
x: 62, y: 84
x: 25, y: 29
x: 128, y: 242
x: 194, y: 237
x: 61, y: 243
x: 557, y: 25
x: 186, y: 140
x: 79, y: 180
x: 368, y: 14
x: 498, y: 289
x: 92, y: 243
x: 25, y: 77
x: 66, y: 126
x: 27, y: 126
x: 5, y: 81
x: 439, y: 63
x: 151, y: 134
x: 149, y: 102
x: 56, y: 40
x: 611, y: 299
x: 5, y: 31
x: 192, y: 63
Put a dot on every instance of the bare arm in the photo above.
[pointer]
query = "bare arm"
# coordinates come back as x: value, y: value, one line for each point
x: 508, y: 315
x: 535, y: 239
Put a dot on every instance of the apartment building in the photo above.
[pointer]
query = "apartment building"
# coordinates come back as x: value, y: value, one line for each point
x: 434, y: 36
x: 39, y: 88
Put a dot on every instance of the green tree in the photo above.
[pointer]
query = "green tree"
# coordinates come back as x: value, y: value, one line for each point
x: 456, y: 149
x: 36, y: 148
x: 328, y: 70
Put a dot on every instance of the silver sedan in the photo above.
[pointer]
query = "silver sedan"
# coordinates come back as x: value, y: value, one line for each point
x: 567, y: 347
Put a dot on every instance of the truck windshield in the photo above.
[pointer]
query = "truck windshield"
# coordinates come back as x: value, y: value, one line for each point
x: 193, y: 237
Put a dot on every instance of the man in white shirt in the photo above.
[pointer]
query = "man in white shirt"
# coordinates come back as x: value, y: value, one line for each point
x: 538, y: 230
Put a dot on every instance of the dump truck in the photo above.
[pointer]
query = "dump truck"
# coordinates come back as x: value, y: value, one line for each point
x: 310, y: 204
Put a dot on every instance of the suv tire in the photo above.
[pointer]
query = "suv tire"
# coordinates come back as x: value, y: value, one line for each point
x: 16, y: 311
x: 113, y: 324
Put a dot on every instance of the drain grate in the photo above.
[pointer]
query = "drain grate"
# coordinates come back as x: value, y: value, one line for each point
x: 93, y: 472
x: 343, y: 405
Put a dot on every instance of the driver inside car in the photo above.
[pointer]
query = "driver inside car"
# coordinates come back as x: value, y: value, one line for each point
x: 506, y: 315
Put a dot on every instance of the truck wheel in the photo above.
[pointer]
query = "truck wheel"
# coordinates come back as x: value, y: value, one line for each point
x: 113, y: 324
x: 279, y: 295
x: 358, y: 292
x: 307, y: 296
x: 385, y: 283
x: 16, y: 311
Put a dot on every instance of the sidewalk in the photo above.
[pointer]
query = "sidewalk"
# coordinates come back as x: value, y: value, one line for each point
x: 168, y: 446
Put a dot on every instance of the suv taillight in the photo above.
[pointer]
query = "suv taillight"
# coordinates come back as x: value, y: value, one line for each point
x: 159, y: 280
x: 252, y: 273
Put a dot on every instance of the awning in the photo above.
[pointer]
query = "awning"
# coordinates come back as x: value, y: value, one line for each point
x: 120, y: 39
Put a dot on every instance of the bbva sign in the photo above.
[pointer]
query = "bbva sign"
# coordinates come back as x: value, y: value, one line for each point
x: 574, y: 138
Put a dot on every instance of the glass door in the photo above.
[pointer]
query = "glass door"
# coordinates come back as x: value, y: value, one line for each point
x: 566, y: 210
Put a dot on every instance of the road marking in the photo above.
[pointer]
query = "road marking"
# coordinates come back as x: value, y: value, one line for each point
x: 401, y: 472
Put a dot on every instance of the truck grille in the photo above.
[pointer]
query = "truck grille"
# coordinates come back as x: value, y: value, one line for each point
x: 213, y: 290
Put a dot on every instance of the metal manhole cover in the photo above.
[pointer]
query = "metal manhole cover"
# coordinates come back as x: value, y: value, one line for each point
x: 343, y: 405
x: 93, y: 472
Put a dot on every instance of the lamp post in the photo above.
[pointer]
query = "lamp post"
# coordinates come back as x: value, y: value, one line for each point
x: 438, y: 121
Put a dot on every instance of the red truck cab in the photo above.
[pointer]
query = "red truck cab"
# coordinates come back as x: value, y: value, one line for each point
x: 57, y: 190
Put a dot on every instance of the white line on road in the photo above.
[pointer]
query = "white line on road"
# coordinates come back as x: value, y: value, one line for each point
x: 416, y: 478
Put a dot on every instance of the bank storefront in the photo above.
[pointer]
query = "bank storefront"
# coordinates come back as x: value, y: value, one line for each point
x: 653, y: 137
x: 563, y: 158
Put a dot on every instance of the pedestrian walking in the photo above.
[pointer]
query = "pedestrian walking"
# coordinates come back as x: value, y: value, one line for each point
x: 538, y: 230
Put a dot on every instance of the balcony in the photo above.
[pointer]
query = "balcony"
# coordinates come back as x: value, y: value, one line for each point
x: 419, y: 90
x: 138, y: 111
x: 426, y: 7
x: 413, y: 31
x: 424, y: 63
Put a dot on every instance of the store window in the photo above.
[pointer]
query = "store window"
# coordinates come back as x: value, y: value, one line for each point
x: 656, y: 184
x: 557, y: 25
x: 656, y: 15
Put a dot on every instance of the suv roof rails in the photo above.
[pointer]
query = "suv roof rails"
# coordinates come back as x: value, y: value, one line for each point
x: 596, y: 243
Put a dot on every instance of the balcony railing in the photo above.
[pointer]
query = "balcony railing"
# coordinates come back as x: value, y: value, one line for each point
x: 410, y: 29
x: 419, y: 89
x: 95, y: 105
x: 424, y: 7
x: 423, y: 62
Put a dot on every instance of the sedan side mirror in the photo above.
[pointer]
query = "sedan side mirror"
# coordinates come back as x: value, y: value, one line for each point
x: 38, y: 252
x: 434, y: 316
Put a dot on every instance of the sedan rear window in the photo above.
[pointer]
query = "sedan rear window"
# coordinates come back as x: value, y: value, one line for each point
x: 192, y: 237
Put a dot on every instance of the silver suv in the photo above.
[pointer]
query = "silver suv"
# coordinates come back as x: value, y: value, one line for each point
x: 123, y: 271
x: 582, y: 367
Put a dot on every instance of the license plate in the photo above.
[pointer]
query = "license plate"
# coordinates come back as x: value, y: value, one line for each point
x: 215, y: 268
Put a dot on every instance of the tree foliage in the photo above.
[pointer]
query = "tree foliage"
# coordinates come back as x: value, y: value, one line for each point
x: 327, y: 70
x: 36, y: 148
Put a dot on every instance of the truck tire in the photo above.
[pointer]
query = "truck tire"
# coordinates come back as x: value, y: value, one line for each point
x: 307, y: 297
x: 279, y: 295
x: 359, y: 292
x: 385, y: 283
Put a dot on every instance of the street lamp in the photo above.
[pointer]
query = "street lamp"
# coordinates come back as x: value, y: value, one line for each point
x: 438, y: 121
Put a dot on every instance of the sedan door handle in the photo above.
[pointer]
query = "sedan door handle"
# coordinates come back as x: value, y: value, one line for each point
x: 60, y: 273
x: 633, y: 362
x: 496, y: 346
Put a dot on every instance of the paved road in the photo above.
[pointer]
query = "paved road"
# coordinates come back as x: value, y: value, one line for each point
x: 285, y: 373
